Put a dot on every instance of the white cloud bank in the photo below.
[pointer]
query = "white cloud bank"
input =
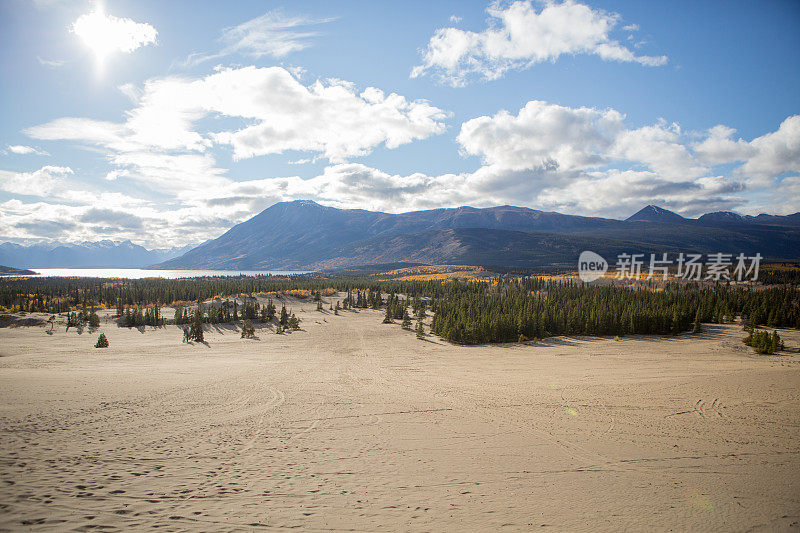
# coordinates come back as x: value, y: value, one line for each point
x: 162, y: 147
x: 519, y: 36
x: 764, y: 157
x: 578, y: 160
x: 39, y: 182
x: 159, y: 141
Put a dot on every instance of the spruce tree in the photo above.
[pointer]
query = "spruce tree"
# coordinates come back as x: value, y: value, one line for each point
x: 420, y: 331
x: 196, y: 329
x: 775, y: 342
x: 697, y: 328
x: 406, y: 320
x: 248, y: 331
x: 102, y: 341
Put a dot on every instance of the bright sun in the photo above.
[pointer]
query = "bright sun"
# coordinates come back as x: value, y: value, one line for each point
x: 96, y: 32
x: 105, y: 34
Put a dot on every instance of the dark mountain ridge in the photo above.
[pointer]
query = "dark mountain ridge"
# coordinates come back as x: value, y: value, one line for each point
x: 304, y: 235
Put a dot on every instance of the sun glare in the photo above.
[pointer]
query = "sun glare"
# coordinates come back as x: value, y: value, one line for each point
x: 105, y: 34
x: 96, y: 32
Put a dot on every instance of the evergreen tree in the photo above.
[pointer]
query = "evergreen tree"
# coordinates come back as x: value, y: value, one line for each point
x: 196, y: 329
x: 697, y: 328
x: 406, y: 320
x: 102, y: 341
x: 775, y: 344
x: 420, y: 331
x: 248, y: 331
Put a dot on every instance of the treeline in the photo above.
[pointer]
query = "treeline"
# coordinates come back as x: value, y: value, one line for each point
x: 228, y: 311
x: 60, y: 295
x: 136, y: 317
x: 469, y: 312
x: 532, y: 308
x: 232, y: 312
x: 780, y: 274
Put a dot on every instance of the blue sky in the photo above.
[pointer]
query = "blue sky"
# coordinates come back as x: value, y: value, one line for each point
x: 168, y: 122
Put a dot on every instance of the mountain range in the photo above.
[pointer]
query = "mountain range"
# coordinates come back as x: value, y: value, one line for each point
x: 100, y: 254
x: 303, y: 235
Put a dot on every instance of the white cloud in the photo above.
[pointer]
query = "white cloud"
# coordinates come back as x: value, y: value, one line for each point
x: 609, y: 193
x: 37, y: 183
x: 79, y: 129
x: 541, y: 134
x: 764, y: 158
x: 167, y: 174
x: 88, y: 216
x: 782, y: 199
x: 579, y: 160
x: 660, y: 148
x: 570, y: 139
x: 160, y: 146
x: 519, y: 36
x: 25, y: 150
x: 278, y: 113
x: 613, y: 193
x: 105, y: 34
x: 133, y: 93
x: 718, y: 147
x: 52, y: 63
x: 330, y: 118
x: 273, y: 34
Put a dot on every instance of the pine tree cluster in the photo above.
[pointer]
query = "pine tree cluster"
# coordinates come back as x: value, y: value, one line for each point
x: 762, y: 342
x: 136, y: 317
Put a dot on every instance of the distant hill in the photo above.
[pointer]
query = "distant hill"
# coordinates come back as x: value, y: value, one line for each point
x: 9, y: 271
x: 304, y: 235
x: 102, y: 254
x: 727, y: 217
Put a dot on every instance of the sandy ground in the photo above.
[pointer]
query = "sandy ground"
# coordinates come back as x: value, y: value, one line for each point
x: 354, y: 425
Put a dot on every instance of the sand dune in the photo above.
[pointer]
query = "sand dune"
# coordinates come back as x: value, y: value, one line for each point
x: 354, y: 425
